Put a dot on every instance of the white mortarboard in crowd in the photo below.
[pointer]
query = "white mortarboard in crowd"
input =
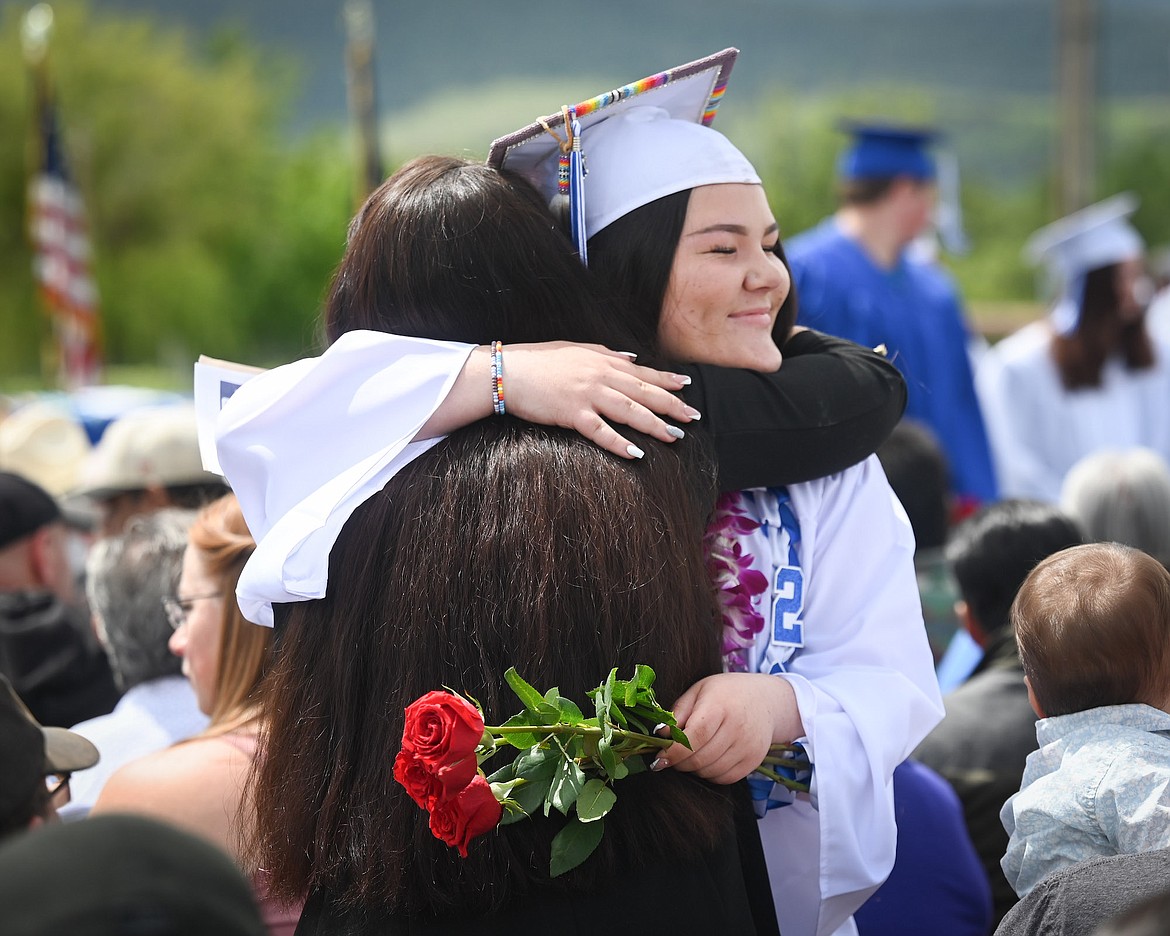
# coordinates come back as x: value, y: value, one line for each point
x: 630, y: 146
x: 1074, y: 246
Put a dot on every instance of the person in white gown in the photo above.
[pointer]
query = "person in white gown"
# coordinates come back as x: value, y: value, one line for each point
x: 1091, y: 375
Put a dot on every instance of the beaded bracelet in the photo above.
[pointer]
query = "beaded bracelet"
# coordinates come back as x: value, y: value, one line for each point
x: 498, y: 378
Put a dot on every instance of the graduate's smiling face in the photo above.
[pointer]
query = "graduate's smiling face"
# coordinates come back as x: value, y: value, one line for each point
x: 726, y: 284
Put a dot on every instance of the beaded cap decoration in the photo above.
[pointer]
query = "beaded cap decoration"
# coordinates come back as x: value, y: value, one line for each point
x: 558, y: 152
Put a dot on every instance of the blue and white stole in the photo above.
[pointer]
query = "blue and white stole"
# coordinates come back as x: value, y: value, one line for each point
x: 775, y: 549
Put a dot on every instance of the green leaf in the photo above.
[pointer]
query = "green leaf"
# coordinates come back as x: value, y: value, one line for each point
x: 595, y: 801
x: 567, y: 710
x: 573, y: 844
x: 540, y: 763
x: 643, y: 676
x: 676, y: 734
x: 521, y: 739
x: 634, y: 765
x: 640, y: 725
x: 603, y: 700
x: 655, y: 714
x: 567, y: 784
x: 609, y: 760
x: 529, y: 797
x: 504, y: 774
x: 533, y: 700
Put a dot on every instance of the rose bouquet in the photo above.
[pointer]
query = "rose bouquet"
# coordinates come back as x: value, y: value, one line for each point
x: 567, y: 762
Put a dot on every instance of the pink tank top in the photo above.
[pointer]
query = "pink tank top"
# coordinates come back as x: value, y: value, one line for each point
x: 281, y: 919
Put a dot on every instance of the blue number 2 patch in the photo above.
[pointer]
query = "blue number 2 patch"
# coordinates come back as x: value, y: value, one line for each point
x: 787, y: 605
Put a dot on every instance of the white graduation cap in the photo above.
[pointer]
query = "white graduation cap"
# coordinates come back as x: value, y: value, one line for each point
x: 630, y: 146
x: 1076, y: 245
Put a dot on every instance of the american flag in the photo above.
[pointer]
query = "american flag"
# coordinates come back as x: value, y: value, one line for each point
x: 61, y: 252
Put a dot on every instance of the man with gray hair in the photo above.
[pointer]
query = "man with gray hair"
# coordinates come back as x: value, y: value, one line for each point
x: 128, y: 577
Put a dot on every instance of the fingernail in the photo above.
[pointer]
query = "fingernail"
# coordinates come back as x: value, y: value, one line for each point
x: 675, y: 432
x: 683, y: 379
x: 630, y: 354
x: 634, y: 452
x: 693, y: 413
x: 658, y: 764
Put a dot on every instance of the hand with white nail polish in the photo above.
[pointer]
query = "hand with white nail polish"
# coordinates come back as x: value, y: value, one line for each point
x: 583, y: 387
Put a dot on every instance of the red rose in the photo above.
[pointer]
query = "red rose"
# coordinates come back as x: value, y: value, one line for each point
x: 472, y: 813
x: 428, y: 787
x: 422, y: 785
x: 442, y: 729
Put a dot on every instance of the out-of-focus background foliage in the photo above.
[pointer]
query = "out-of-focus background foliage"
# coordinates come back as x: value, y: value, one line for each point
x: 211, y: 144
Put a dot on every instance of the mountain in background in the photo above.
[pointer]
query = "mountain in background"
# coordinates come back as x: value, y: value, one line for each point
x: 453, y: 74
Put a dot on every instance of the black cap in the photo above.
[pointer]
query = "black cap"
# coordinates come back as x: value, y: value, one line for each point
x: 116, y: 874
x: 29, y: 752
x: 24, y: 508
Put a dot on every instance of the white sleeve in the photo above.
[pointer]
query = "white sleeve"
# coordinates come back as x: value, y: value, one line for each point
x: 864, y: 683
x: 1011, y: 394
x: 305, y: 444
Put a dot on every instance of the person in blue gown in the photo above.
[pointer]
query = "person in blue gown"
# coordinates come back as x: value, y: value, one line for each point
x: 859, y: 278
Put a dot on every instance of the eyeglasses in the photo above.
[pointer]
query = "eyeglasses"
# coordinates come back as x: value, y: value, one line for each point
x: 178, y: 608
x: 58, y: 786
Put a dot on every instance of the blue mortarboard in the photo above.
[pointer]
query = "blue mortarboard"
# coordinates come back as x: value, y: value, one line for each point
x: 883, y: 151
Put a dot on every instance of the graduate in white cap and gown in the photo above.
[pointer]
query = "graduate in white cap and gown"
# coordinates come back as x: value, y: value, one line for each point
x: 859, y: 278
x: 1089, y: 376
x: 822, y: 620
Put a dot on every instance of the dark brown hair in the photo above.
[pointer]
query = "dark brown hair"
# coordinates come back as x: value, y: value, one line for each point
x: 865, y: 191
x: 506, y: 544
x: 1093, y: 627
x: 441, y: 234
x: 633, y: 256
x: 1100, y: 333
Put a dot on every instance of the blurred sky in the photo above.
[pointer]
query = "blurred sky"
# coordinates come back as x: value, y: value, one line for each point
x: 454, y: 74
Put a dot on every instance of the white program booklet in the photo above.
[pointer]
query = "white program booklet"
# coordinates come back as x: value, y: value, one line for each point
x: 215, y: 382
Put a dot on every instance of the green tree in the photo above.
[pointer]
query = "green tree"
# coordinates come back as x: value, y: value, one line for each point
x: 211, y: 233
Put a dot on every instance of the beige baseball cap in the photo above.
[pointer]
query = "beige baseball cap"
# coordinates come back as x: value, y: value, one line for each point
x: 43, y: 443
x: 147, y: 447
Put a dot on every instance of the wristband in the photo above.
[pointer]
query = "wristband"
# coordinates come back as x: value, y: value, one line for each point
x: 497, y: 348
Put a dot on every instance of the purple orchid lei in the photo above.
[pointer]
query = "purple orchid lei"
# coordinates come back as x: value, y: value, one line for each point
x: 736, y: 583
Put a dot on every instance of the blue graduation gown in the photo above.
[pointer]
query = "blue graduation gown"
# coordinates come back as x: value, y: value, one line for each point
x: 914, y: 311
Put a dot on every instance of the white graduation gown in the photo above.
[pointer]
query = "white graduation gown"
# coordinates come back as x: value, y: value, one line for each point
x: 864, y: 682
x: 1039, y: 430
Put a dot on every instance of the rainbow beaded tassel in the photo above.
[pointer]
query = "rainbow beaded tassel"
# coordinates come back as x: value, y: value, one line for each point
x: 577, y: 194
